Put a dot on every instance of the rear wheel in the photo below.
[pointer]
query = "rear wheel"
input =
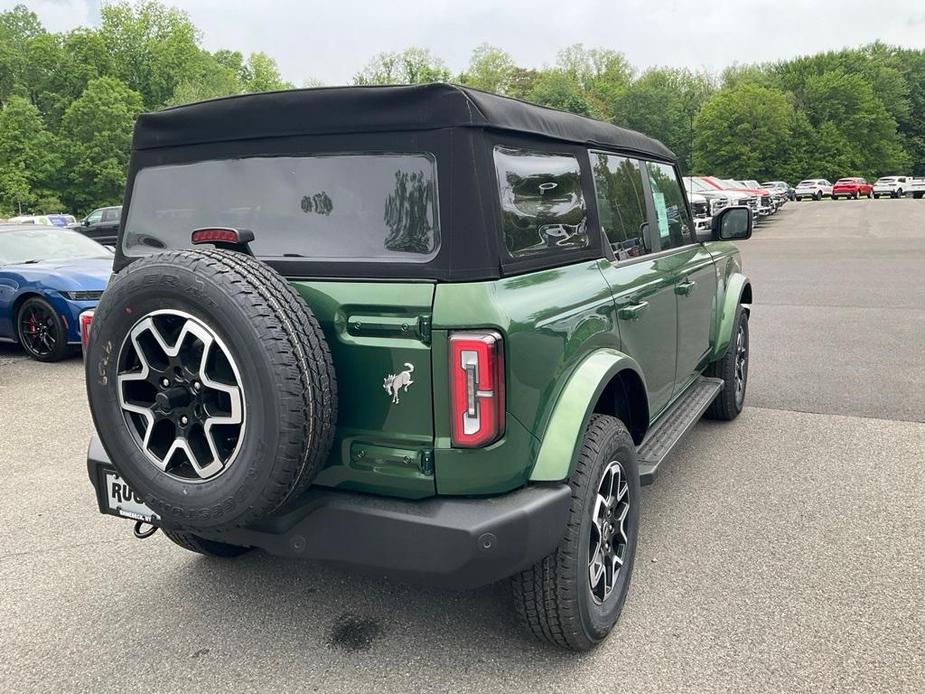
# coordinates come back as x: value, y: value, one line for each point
x: 733, y: 370
x: 201, y: 545
x: 573, y: 597
x: 212, y: 387
x: 41, y: 331
x: 876, y: 196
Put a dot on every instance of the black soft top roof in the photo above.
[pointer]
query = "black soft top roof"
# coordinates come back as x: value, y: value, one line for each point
x: 332, y: 110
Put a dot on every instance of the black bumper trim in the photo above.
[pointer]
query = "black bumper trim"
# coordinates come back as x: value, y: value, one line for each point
x: 448, y: 541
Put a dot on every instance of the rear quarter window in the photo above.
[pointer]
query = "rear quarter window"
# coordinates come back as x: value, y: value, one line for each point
x: 543, y: 208
x: 324, y: 207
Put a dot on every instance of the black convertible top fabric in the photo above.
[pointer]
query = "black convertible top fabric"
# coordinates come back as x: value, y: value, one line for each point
x: 331, y: 110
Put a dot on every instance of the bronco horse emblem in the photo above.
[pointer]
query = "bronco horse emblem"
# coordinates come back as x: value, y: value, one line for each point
x: 395, y: 382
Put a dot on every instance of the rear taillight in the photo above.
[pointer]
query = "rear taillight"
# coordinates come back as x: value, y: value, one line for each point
x: 476, y: 388
x: 85, y: 320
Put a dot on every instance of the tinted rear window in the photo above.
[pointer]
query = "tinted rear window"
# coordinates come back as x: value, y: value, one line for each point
x: 345, y: 206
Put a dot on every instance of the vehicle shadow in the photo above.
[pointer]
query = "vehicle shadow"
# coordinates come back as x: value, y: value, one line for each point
x: 349, y: 625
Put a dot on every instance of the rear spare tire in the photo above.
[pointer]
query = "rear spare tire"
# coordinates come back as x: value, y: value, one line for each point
x: 211, y: 387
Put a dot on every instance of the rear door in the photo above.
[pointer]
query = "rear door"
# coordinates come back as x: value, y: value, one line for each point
x: 694, y: 280
x: 641, y: 279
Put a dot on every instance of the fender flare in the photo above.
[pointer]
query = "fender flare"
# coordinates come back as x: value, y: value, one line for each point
x: 737, y: 286
x: 562, y: 437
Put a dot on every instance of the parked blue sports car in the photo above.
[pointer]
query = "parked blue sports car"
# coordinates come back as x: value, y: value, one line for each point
x: 48, y: 276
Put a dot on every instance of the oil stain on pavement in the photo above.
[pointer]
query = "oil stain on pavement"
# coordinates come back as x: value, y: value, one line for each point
x: 354, y: 633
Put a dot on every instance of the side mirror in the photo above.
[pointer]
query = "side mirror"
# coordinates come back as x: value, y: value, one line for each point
x: 86, y: 222
x: 732, y: 224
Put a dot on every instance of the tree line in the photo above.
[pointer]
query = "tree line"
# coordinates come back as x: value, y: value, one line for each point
x: 68, y: 102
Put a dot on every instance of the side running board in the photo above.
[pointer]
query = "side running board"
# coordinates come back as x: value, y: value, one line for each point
x: 673, y: 424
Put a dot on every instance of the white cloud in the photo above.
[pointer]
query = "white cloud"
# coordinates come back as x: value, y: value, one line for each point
x: 333, y: 40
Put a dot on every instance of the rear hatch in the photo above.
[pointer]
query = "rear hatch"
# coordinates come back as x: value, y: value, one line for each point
x: 350, y: 211
x: 379, y: 335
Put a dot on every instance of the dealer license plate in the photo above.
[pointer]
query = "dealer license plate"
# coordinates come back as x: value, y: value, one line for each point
x: 122, y: 501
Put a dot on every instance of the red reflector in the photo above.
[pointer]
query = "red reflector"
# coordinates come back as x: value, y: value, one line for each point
x: 85, y: 320
x: 219, y: 234
x: 476, y: 388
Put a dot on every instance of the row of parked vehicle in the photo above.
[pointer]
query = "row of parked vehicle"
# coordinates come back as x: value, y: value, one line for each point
x: 855, y: 187
x: 101, y: 225
x: 710, y: 194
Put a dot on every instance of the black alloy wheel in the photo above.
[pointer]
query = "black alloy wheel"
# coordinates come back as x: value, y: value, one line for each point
x: 41, y: 331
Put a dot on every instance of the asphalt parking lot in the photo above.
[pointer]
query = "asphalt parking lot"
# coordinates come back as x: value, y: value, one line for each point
x: 784, y: 552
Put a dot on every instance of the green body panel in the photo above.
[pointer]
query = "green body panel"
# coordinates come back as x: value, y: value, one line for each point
x: 731, y: 282
x: 696, y: 292
x: 373, y: 329
x: 563, y: 435
x: 566, y: 333
x: 551, y: 320
x: 652, y: 337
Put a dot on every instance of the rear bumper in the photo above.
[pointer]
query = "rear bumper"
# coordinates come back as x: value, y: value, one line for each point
x: 449, y: 541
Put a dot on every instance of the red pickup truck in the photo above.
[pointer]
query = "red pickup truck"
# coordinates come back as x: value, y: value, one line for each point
x: 852, y: 188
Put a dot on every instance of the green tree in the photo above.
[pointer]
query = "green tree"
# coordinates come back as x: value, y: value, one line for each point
x: 410, y: 66
x: 742, y: 131
x: 261, y: 74
x: 208, y: 78
x: 868, y: 134
x: 603, y: 75
x: 153, y: 48
x: 99, y: 124
x: 28, y: 161
x: 663, y: 103
x: 490, y: 69
x: 557, y: 88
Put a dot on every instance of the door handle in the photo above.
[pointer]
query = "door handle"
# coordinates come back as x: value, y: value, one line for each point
x: 633, y: 311
x: 684, y: 288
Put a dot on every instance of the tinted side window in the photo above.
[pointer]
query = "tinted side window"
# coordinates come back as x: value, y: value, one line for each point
x: 95, y: 216
x: 621, y: 203
x: 111, y: 214
x: 674, y: 223
x: 543, y: 209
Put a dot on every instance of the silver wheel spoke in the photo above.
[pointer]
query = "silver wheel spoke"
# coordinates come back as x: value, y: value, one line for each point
x: 608, y: 541
x: 183, y: 399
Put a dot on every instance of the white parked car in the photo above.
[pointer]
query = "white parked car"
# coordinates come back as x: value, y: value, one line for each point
x: 917, y: 187
x: 815, y: 188
x: 899, y: 186
x: 40, y: 219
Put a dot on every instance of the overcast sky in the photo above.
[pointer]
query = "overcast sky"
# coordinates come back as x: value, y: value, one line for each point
x: 331, y: 40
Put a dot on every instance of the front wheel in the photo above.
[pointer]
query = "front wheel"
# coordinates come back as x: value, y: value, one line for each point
x: 817, y: 196
x: 876, y: 196
x: 573, y: 597
x: 41, y: 331
x: 732, y: 369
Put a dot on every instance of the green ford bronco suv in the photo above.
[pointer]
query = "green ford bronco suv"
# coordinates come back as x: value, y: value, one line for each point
x: 422, y: 331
